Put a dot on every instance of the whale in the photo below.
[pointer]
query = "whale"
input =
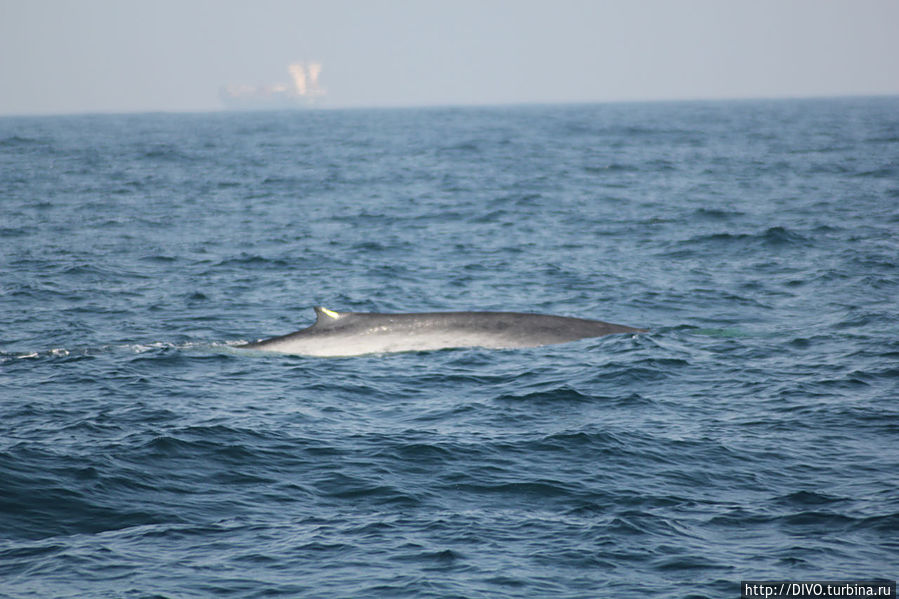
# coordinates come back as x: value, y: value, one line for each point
x: 342, y: 334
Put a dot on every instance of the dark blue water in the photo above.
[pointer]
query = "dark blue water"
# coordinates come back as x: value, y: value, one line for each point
x: 753, y: 433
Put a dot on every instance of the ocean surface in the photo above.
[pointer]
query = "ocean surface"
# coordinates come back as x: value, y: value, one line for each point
x: 752, y: 433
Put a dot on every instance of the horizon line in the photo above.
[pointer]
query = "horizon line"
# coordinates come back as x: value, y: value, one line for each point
x: 401, y: 106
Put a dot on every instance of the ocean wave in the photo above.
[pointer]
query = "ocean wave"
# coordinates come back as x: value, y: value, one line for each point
x: 772, y: 236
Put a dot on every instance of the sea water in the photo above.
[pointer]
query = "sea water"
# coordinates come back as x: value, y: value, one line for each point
x: 752, y: 433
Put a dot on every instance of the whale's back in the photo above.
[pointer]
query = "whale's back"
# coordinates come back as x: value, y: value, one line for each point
x: 357, y: 333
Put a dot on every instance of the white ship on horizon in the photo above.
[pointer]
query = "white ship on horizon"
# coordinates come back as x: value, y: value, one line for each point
x: 303, y: 92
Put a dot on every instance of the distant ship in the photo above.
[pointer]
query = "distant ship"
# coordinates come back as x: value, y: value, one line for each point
x: 304, y: 92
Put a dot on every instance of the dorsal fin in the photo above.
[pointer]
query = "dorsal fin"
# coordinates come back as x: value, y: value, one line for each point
x: 325, y: 316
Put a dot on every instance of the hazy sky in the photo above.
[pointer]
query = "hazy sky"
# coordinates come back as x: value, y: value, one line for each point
x: 62, y: 56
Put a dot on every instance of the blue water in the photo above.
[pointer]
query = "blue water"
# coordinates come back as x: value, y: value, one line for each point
x: 752, y: 433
